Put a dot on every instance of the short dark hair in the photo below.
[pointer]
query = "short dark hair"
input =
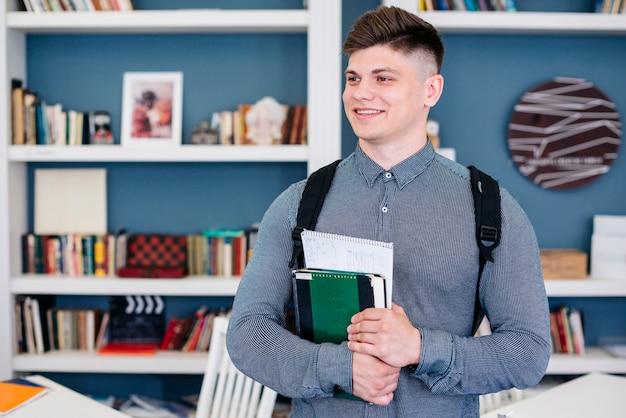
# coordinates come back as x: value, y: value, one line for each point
x: 398, y: 29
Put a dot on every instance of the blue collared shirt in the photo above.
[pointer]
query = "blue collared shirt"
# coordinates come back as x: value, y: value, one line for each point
x: 424, y: 206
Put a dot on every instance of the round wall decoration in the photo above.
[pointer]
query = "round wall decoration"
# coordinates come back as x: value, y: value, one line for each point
x: 564, y: 134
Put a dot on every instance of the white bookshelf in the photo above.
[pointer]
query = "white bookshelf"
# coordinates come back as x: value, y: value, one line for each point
x: 320, y: 22
x: 519, y: 22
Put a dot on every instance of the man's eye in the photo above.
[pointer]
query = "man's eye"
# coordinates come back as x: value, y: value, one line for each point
x: 381, y: 78
x: 353, y: 79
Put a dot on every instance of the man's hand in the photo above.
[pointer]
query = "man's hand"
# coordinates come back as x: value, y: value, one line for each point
x: 386, y: 334
x: 373, y: 380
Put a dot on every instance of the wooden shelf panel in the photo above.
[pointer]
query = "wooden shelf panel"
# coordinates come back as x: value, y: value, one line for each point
x: 183, y: 153
x: 162, y: 21
x: 188, y: 286
x: 163, y: 362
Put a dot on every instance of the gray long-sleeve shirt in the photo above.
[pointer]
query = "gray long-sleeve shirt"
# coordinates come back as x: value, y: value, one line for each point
x: 424, y: 206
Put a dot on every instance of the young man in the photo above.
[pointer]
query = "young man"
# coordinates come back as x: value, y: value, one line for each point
x: 418, y: 359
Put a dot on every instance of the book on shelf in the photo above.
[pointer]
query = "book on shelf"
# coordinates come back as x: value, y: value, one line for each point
x: 17, y: 112
x: 191, y: 333
x: 566, y: 331
x: 134, y: 322
x: 78, y: 5
x: 223, y: 252
x: 18, y: 392
x: 467, y: 5
x: 69, y: 254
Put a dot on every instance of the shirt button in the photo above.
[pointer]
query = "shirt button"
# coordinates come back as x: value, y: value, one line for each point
x: 388, y: 175
x: 384, y: 209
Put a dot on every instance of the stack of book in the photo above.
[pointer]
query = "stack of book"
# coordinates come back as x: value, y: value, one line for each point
x: 78, y: 5
x: 467, y: 5
x: 192, y: 333
x: 566, y: 331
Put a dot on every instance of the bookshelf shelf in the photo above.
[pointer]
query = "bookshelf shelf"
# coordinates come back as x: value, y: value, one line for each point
x: 586, y: 288
x: 189, y: 286
x: 595, y: 360
x: 163, y: 21
x: 165, y: 362
x: 183, y: 153
x: 519, y: 22
x: 527, y: 22
x: 320, y: 22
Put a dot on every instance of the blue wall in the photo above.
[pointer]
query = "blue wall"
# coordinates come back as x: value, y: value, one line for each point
x: 485, y: 76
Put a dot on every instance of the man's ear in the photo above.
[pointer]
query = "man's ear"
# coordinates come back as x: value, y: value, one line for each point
x: 433, y: 89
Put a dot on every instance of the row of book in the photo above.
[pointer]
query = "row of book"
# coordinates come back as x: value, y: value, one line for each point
x: 235, y: 127
x: 191, y: 333
x: 214, y: 252
x: 611, y: 6
x: 217, y: 253
x: 41, y: 326
x: 35, y: 122
x: 566, y: 331
x: 72, y: 254
x: 467, y: 5
x: 78, y: 5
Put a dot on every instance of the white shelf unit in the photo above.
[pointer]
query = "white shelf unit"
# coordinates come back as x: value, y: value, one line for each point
x: 519, y: 22
x: 595, y: 359
x: 320, y: 21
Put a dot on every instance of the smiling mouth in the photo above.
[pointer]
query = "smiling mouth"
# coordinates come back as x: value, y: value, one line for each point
x: 368, y: 112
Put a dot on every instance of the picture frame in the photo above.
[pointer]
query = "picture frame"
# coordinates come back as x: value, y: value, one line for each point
x: 152, y: 109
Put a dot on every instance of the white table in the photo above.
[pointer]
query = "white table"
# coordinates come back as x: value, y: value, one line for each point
x: 592, y: 395
x: 61, y: 402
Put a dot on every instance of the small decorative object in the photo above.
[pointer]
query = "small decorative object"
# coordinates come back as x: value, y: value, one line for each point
x: 264, y: 122
x: 152, y: 109
x: 564, y: 134
x: 100, y: 128
x: 203, y: 134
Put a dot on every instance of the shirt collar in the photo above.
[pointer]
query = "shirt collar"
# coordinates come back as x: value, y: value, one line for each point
x: 404, y: 172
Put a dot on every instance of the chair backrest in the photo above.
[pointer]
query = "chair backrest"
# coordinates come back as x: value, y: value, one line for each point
x: 225, y: 391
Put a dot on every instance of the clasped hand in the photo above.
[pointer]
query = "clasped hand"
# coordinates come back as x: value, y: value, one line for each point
x: 383, y: 341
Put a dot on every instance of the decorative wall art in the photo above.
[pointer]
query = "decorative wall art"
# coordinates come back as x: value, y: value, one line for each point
x: 564, y: 134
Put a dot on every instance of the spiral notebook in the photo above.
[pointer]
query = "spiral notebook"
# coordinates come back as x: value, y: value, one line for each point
x: 323, y: 250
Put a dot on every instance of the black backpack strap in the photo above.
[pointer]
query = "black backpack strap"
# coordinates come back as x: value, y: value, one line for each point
x: 311, y: 204
x: 486, y: 193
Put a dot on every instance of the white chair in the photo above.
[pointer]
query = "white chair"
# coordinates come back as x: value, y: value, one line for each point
x: 225, y: 391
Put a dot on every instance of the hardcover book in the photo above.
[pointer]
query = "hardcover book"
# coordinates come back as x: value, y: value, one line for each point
x: 326, y: 300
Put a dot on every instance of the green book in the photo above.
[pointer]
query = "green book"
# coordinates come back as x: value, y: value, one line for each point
x: 325, y: 300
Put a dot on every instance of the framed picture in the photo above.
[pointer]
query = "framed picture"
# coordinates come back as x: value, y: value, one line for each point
x: 152, y: 109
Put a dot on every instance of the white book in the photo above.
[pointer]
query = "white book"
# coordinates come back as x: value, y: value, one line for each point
x: 328, y: 251
x: 70, y: 201
x: 37, y: 328
x: 28, y: 326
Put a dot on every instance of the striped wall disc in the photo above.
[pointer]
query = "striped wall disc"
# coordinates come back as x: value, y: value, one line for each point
x: 564, y: 134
